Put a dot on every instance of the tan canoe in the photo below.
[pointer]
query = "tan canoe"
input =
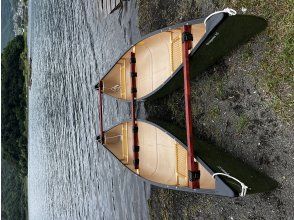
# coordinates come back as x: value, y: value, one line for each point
x: 157, y: 57
x: 163, y: 161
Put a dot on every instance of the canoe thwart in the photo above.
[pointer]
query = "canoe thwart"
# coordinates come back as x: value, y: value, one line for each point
x: 100, y: 95
x: 192, y: 165
x: 133, y: 75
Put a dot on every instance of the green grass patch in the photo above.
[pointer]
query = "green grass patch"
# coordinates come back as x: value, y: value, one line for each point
x: 215, y: 112
x: 276, y: 66
x: 242, y: 123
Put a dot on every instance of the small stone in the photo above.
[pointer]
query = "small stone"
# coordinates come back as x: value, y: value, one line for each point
x: 243, y: 9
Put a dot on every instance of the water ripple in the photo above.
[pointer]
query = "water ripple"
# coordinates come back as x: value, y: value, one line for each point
x: 71, y: 44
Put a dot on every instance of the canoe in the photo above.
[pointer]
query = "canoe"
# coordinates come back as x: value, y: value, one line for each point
x: 163, y: 161
x: 159, y: 55
x: 160, y: 152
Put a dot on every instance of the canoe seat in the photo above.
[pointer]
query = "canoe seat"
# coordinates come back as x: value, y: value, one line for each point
x: 125, y: 146
x: 113, y: 139
x: 181, y: 165
x: 175, y: 49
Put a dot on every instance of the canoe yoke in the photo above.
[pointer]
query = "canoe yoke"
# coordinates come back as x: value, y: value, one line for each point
x: 193, y: 168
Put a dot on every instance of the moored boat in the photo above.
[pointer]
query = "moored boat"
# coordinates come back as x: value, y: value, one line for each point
x: 163, y: 161
x: 168, y: 156
x: 159, y: 58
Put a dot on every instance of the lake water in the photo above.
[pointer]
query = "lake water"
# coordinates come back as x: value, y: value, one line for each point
x: 72, y: 44
x: 6, y: 22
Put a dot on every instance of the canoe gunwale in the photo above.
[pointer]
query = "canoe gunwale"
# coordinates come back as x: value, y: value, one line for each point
x: 221, y: 188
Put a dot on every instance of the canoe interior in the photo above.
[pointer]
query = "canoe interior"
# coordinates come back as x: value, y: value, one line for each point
x: 162, y: 159
x: 222, y: 161
x: 157, y: 58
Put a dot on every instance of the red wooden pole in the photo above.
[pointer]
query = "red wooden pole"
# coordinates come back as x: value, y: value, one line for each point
x: 133, y: 107
x: 194, y: 173
x: 100, y: 92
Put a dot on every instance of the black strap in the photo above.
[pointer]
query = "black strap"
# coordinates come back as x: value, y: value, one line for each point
x: 186, y: 36
x: 99, y: 139
x: 133, y: 59
x: 136, y: 162
x: 133, y: 74
x: 134, y: 90
x: 135, y: 129
x: 136, y: 148
x: 194, y: 175
x: 98, y: 85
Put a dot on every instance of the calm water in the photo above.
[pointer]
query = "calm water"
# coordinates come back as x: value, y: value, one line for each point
x: 6, y: 22
x: 72, y: 43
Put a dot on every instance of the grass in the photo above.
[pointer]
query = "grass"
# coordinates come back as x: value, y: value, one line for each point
x: 242, y: 123
x: 214, y: 112
x: 165, y: 199
x: 275, y: 74
x: 272, y: 51
x: 265, y: 79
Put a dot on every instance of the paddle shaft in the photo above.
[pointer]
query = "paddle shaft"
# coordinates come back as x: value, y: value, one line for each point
x: 192, y: 166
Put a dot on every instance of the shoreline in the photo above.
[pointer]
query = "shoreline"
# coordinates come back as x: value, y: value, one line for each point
x: 27, y: 83
x: 238, y: 104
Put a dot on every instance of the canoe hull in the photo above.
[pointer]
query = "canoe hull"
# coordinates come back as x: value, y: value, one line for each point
x: 214, y: 160
x: 231, y: 32
x: 221, y: 161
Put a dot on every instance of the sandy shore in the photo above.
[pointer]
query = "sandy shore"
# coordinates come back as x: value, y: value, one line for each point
x: 244, y: 104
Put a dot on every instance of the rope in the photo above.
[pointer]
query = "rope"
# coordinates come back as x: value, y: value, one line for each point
x: 244, y: 187
x: 226, y: 10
